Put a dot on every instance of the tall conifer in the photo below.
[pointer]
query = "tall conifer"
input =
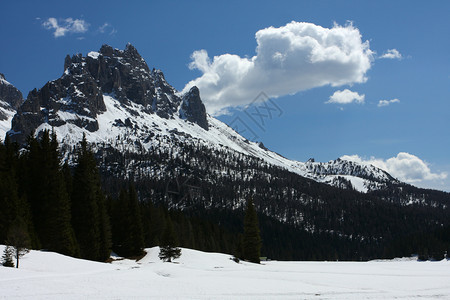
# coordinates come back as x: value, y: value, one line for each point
x: 252, y: 240
x: 88, y: 208
x: 46, y: 193
x: 169, y: 242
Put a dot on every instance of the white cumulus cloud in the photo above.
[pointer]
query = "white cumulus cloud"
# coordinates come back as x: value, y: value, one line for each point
x: 392, y: 54
x: 345, y: 97
x: 405, y: 167
x: 289, y: 59
x: 387, y: 102
x: 65, y: 26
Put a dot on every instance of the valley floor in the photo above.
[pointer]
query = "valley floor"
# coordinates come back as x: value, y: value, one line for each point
x: 199, y: 275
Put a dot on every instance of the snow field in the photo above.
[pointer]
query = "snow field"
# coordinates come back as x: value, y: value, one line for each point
x: 200, y: 275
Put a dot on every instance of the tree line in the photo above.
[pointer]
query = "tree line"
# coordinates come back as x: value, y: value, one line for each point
x: 63, y: 208
x: 89, y: 207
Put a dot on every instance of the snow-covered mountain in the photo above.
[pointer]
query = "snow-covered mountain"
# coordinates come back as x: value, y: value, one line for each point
x: 114, y: 98
x: 10, y: 100
x: 142, y: 129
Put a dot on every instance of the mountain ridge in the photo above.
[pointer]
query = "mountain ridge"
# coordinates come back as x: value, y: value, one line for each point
x: 120, y: 81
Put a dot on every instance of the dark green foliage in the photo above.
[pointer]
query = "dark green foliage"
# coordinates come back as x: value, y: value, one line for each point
x: 9, y: 200
x: 251, y: 247
x: 153, y: 222
x: 18, y: 239
x: 7, y: 258
x: 169, y: 243
x: 128, y: 236
x: 433, y: 245
x: 45, y: 190
x: 89, y: 216
x: 104, y: 228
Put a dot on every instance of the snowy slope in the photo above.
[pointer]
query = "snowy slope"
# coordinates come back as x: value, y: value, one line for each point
x: 218, y: 136
x: 199, y: 275
x: 5, y: 124
x: 116, y: 100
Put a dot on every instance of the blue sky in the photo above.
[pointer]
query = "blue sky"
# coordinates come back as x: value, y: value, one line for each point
x: 408, y: 134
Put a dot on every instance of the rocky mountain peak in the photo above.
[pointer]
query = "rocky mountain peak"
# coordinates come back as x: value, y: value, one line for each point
x: 9, y: 93
x: 77, y: 97
x: 193, y: 109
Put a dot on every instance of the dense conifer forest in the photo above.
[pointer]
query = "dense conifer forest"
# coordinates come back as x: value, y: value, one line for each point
x: 84, y: 204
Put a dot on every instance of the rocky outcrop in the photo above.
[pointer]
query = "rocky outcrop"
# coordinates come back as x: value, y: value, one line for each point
x: 77, y: 96
x: 10, y: 100
x: 74, y: 98
x: 193, y: 109
x: 10, y: 97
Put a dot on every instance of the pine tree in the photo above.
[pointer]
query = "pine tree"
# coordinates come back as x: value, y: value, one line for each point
x: 8, y: 191
x: 128, y: 235
x: 7, y: 258
x: 136, y: 231
x: 18, y: 239
x: 169, y: 249
x: 105, y: 228
x: 46, y: 192
x: 89, y: 216
x: 252, y: 240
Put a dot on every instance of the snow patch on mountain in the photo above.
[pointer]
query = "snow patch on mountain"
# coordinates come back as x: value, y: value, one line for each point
x: 8, y: 112
x: 145, y: 129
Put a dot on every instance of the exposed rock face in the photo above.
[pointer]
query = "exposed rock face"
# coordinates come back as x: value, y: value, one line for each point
x: 193, y: 109
x: 10, y: 97
x: 10, y: 100
x: 77, y: 96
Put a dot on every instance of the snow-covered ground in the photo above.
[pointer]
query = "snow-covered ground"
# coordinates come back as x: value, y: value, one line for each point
x: 199, y: 275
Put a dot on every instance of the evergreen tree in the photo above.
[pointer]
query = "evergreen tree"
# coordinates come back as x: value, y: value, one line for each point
x: 46, y: 192
x: 7, y: 258
x: 169, y: 249
x: 136, y: 231
x: 8, y: 190
x: 89, y: 216
x: 252, y: 241
x: 105, y: 228
x: 18, y: 239
x: 128, y: 233
x: 120, y: 220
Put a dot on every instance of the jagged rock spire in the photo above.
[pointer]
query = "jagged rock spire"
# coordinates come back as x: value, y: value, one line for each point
x: 193, y: 109
x: 77, y: 96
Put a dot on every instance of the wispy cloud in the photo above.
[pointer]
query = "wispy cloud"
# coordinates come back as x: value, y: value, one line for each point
x: 106, y: 28
x: 62, y: 27
x: 392, y: 54
x: 289, y: 59
x: 102, y: 28
x: 346, y: 97
x: 382, y: 103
